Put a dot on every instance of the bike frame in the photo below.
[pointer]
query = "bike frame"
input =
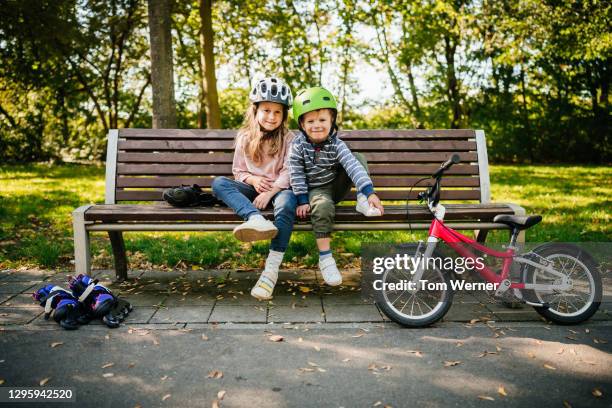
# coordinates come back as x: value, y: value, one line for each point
x: 439, y: 231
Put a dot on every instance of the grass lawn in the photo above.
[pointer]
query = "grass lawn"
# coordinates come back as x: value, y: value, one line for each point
x: 36, y: 227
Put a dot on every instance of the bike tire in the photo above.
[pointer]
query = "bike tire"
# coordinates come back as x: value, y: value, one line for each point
x: 441, y: 307
x: 584, y: 265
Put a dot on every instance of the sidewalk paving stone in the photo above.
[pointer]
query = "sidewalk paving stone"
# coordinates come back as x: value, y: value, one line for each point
x: 510, y: 315
x: 239, y: 314
x: 352, y: 313
x: 140, y: 314
x: 24, y: 275
x: 182, y: 314
x: 23, y: 300
x: 5, y: 296
x: 297, y: 314
x: 465, y: 312
x: 18, y: 315
x: 191, y: 299
x: 143, y: 299
x: 18, y: 287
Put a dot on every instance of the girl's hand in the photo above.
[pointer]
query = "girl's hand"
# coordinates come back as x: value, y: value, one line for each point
x: 261, y: 184
x: 374, y: 201
x: 263, y: 199
x: 303, y: 210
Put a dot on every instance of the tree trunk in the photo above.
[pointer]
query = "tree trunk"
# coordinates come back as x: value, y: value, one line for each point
x: 452, y: 83
x: 213, y: 112
x: 162, y: 72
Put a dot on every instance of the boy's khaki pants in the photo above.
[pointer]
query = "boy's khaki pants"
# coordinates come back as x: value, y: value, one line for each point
x: 323, y: 200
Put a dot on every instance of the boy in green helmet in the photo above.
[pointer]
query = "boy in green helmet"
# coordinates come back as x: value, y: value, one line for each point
x: 322, y: 171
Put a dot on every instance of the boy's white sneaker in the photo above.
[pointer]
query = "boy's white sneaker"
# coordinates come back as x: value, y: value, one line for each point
x: 255, y: 229
x: 330, y: 271
x: 365, y: 208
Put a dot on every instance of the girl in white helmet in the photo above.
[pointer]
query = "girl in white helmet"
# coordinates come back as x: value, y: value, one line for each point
x: 261, y: 177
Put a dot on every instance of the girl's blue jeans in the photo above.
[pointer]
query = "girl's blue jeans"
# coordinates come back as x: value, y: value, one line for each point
x: 239, y: 196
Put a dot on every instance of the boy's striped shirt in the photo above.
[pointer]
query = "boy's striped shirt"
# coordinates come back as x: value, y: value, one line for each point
x: 313, y: 165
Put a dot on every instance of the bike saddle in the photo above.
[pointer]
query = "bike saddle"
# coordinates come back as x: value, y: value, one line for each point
x: 519, y: 222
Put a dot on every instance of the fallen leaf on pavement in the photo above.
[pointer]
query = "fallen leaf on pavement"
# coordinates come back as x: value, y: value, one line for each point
x: 108, y: 365
x: 220, y: 395
x: 486, y: 397
x: 108, y: 375
x: 600, y: 341
x: 215, y: 374
x: 204, y: 337
x: 304, y: 289
x: 549, y: 367
x: 164, y: 378
x: 215, y: 403
x: 310, y: 363
x: 276, y: 338
x: 44, y: 381
x: 346, y: 360
x: 306, y: 369
x: 165, y: 397
x: 451, y: 363
x: 358, y: 335
x: 502, y: 391
x: 1, y: 381
x: 597, y: 393
x: 57, y: 344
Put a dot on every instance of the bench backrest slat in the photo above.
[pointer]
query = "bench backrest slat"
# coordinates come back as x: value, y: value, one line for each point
x: 145, y: 161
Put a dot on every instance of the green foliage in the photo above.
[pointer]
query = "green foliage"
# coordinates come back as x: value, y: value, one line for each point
x: 534, y: 74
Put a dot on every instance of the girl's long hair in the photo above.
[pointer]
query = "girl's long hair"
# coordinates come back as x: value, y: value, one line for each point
x: 252, y: 138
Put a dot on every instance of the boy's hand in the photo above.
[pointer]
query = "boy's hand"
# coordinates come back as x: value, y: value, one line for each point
x: 374, y: 201
x: 263, y: 199
x: 261, y: 184
x: 303, y: 210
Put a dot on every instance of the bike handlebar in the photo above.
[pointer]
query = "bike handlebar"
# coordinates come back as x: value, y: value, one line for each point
x: 454, y: 159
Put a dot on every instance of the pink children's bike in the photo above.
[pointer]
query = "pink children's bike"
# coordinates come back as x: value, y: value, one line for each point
x: 561, y: 281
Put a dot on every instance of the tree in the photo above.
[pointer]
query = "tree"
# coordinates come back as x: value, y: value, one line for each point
x: 209, y: 80
x: 162, y: 72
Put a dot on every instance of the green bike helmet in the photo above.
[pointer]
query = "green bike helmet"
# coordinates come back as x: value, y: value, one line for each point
x: 312, y: 99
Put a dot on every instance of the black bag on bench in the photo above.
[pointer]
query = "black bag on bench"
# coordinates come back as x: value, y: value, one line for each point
x: 190, y: 196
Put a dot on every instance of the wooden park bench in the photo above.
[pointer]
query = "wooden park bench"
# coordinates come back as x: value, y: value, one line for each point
x: 141, y: 163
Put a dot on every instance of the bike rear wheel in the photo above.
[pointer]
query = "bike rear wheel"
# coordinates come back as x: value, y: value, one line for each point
x: 582, y: 300
x: 415, y: 308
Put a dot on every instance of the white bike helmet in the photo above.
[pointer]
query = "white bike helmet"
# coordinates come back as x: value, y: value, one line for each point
x: 271, y: 89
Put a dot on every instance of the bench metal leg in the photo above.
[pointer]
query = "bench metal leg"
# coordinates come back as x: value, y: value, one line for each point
x: 82, y: 254
x: 481, y: 235
x: 116, y: 238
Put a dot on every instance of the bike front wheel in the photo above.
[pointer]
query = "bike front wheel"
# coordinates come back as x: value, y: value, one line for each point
x: 419, y: 307
x: 576, y: 304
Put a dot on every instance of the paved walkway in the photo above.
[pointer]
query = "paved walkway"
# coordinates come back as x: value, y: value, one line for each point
x: 198, y: 339
x: 204, y: 297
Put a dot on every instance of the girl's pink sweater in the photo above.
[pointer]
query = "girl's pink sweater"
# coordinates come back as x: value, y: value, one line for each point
x: 275, y: 169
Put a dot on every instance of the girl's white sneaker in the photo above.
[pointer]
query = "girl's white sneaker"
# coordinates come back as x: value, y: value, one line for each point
x: 255, y: 229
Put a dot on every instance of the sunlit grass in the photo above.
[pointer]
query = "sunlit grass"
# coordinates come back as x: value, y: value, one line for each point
x: 36, y: 227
